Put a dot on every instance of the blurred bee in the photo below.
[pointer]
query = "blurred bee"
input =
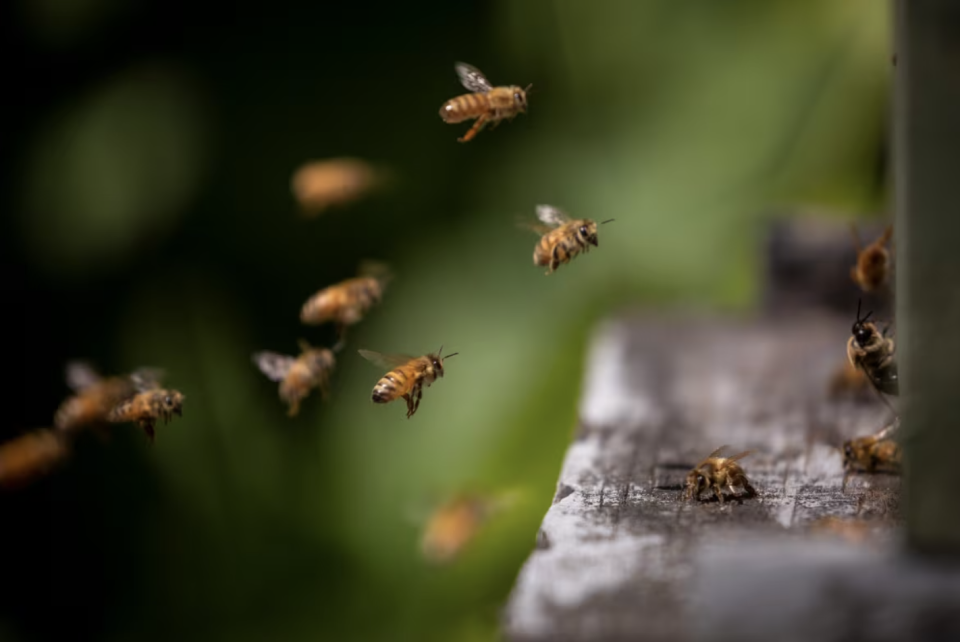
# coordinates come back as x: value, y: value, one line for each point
x: 716, y: 473
x: 145, y: 408
x: 407, y: 378
x: 319, y: 185
x: 454, y: 524
x: 488, y: 104
x: 854, y: 531
x: 31, y: 455
x: 563, y: 239
x: 96, y: 396
x: 849, y: 380
x: 873, y: 453
x: 872, y: 270
x: 871, y: 351
x: 298, y: 375
x: 347, y: 302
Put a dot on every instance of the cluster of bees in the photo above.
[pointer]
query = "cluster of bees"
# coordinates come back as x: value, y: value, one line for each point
x: 870, y: 364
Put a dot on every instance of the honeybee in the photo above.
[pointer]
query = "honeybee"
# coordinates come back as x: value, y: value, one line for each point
x: 871, y: 351
x: 318, y: 185
x: 407, y: 378
x: 848, y: 379
x: 488, y: 104
x: 454, y: 524
x: 873, y: 452
x: 717, y: 473
x: 297, y: 375
x: 872, y: 270
x: 855, y: 531
x: 563, y: 239
x: 32, y: 455
x: 347, y: 302
x: 145, y: 408
x: 96, y: 396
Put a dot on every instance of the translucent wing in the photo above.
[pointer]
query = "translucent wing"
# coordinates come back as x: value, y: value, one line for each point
x: 713, y: 454
x: 523, y: 223
x: 388, y: 361
x: 741, y: 455
x: 376, y: 269
x: 80, y: 375
x: 551, y: 215
x: 472, y: 78
x: 274, y: 365
x: 146, y: 378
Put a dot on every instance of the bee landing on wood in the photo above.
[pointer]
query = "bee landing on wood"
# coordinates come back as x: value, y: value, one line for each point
x: 488, y: 104
x: 872, y: 270
x: 96, y: 396
x: 717, y: 473
x: 347, y: 302
x: 563, y: 238
x: 298, y: 375
x: 145, y: 408
x: 407, y: 378
x: 871, y: 351
x: 874, y: 452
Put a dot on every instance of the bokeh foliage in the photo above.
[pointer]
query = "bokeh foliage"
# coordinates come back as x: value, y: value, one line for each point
x: 153, y: 224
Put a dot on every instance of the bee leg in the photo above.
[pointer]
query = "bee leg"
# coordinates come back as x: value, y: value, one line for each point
x: 751, y: 491
x: 147, y: 425
x: 555, y: 258
x: 477, y: 126
x: 718, y: 493
x: 410, y: 408
x: 294, y: 408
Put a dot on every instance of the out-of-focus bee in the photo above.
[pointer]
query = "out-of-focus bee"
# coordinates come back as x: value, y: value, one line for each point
x: 347, y: 302
x: 855, y: 531
x: 145, y: 408
x: 318, y: 185
x: 96, y: 396
x: 298, y: 375
x: 454, y: 524
x: 872, y: 270
x: 878, y: 452
x: 717, y: 473
x: 847, y: 379
x: 488, y: 104
x: 407, y: 378
x: 563, y: 239
x: 32, y: 455
x: 871, y: 351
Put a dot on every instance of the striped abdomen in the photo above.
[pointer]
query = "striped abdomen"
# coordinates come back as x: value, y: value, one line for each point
x: 465, y: 107
x: 93, y: 404
x: 558, y: 247
x: 345, y: 302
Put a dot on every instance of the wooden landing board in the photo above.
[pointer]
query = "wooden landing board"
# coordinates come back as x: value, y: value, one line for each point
x: 616, y: 555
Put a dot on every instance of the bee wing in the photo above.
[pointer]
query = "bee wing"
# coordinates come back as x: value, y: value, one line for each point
x: 713, y: 454
x: 741, y: 455
x: 524, y: 224
x: 80, y: 375
x: 274, y: 365
x: 146, y: 378
x: 377, y: 269
x: 388, y: 361
x: 472, y: 78
x: 551, y: 215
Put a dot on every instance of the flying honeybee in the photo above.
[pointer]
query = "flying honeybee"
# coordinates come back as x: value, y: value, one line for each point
x: 347, y: 302
x: 486, y: 103
x: 717, y: 473
x: 872, y: 270
x: 855, y: 531
x: 318, y: 185
x: 871, y: 351
x: 31, y: 455
x: 454, y: 524
x: 563, y: 239
x: 298, y: 375
x: 96, y: 396
x: 407, y: 378
x: 145, y: 408
x: 873, y: 452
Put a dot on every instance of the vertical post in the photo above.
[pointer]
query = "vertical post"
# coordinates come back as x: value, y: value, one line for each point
x: 927, y: 221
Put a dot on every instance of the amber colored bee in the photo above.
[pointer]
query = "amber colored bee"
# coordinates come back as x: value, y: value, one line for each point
x: 872, y: 270
x: 454, y: 524
x: 488, y: 104
x: 347, y: 302
x: 96, y: 396
x: 32, y: 455
x: 873, y: 452
x: 407, y: 378
x: 562, y: 238
x: 716, y: 473
x: 847, y: 379
x: 855, y: 531
x: 871, y: 351
x: 298, y: 375
x: 145, y: 408
x: 318, y: 185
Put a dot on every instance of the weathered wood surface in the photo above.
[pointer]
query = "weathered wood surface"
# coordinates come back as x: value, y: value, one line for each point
x: 617, y: 552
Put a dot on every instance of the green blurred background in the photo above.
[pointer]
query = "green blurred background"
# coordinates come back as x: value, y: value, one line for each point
x: 148, y: 220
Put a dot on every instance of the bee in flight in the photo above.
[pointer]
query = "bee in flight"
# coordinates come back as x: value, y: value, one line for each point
x: 563, y: 239
x: 455, y: 523
x: 32, y: 455
x: 872, y: 270
x: 347, y: 302
x: 298, y: 375
x: 407, y: 378
x: 716, y: 473
x: 145, y: 408
x: 486, y: 103
x: 96, y: 396
x: 319, y: 185
x: 873, y: 452
x: 871, y: 351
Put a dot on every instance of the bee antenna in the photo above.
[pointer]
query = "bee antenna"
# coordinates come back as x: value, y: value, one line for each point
x: 452, y: 354
x: 529, y: 87
x: 609, y: 220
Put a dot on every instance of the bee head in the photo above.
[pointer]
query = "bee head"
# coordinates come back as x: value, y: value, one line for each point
x: 321, y: 359
x: 588, y: 233
x: 862, y: 331
x: 848, y: 454
x: 520, y: 98
x: 172, y: 402
x: 437, y: 360
x: 696, y: 483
